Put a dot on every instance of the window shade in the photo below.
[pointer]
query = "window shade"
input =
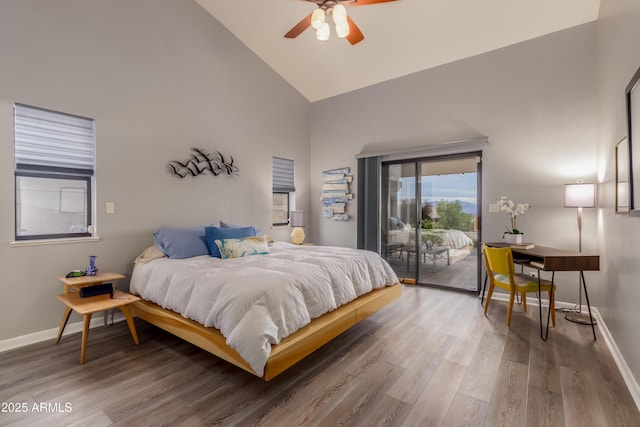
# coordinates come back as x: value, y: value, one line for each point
x: 46, y: 139
x: 283, y: 176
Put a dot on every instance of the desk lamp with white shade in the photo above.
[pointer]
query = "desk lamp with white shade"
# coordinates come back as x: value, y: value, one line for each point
x: 297, y: 222
x: 580, y: 195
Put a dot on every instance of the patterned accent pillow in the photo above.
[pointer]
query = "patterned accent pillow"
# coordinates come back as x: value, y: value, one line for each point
x: 236, y: 248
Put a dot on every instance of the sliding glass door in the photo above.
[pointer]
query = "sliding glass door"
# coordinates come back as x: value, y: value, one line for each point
x: 430, y: 211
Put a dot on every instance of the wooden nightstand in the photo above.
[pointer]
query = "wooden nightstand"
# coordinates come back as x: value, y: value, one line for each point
x: 87, y: 306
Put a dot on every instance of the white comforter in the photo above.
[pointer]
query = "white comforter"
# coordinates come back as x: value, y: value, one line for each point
x: 257, y: 300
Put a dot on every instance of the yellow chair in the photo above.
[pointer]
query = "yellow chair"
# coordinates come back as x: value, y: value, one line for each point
x: 500, y: 270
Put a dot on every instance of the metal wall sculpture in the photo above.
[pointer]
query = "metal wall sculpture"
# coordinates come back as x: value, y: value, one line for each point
x: 202, y: 162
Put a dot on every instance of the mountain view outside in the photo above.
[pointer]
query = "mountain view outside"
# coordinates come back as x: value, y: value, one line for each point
x: 447, y: 201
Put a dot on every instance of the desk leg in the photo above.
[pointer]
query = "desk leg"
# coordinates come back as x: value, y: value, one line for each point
x: 85, y: 336
x: 132, y: 327
x: 63, y: 323
x: 540, y: 307
x: 545, y: 335
x: 586, y: 295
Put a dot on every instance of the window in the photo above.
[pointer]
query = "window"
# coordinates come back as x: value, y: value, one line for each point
x: 54, y: 169
x: 283, y: 187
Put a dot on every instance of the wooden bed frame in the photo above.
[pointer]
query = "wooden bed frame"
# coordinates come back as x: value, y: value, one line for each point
x: 291, y: 349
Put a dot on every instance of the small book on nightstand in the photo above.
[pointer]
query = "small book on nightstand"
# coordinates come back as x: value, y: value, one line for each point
x: 522, y: 245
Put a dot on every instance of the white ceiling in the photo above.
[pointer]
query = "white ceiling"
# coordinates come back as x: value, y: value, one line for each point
x: 401, y: 37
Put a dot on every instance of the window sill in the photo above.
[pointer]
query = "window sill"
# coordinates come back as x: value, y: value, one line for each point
x: 21, y: 243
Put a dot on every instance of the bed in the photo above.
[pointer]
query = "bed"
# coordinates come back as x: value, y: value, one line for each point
x: 263, y: 312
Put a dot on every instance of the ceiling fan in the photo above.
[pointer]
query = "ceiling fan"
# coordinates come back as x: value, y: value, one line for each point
x: 345, y: 27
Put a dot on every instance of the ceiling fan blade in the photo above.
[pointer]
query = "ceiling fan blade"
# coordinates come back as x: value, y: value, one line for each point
x: 355, y: 35
x: 299, y: 27
x: 366, y: 2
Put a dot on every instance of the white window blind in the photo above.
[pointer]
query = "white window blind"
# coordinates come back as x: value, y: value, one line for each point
x: 48, y: 140
x: 283, y: 176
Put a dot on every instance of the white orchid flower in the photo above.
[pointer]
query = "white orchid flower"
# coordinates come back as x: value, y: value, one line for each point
x: 508, y: 206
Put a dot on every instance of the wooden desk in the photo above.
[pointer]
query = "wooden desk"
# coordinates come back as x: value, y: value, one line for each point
x: 552, y: 259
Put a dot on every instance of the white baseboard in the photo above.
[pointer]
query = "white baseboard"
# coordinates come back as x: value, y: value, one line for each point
x: 627, y: 375
x: 629, y: 379
x: 51, y: 334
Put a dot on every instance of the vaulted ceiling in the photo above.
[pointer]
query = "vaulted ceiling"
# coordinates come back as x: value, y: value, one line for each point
x: 401, y: 37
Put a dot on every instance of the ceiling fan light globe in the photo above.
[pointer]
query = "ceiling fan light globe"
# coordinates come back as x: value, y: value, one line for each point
x: 339, y: 14
x: 323, y: 32
x: 317, y: 18
x: 342, y: 29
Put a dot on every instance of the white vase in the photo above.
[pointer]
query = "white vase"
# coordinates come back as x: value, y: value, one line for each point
x: 513, y: 238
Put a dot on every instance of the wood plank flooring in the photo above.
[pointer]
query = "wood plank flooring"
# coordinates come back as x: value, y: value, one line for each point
x: 429, y: 359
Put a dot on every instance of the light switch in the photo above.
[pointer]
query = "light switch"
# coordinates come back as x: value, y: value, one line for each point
x: 494, y: 208
x: 110, y: 207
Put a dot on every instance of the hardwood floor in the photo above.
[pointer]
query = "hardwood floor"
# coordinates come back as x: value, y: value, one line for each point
x: 431, y: 359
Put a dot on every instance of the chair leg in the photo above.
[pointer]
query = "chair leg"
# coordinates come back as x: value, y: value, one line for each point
x: 488, y: 298
x: 512, y: 296
x: 552, y: 307
x: 524, y: 301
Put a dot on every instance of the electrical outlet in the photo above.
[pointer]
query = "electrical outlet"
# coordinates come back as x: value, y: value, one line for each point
x: 110, y: 207
x: 494, y: 208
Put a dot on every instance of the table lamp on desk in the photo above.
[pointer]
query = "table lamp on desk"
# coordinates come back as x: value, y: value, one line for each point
x: 580, y: 195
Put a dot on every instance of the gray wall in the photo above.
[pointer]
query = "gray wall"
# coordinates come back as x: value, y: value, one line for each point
x: 535, y: 101
x: 158, y: 77
x: 618, y: 35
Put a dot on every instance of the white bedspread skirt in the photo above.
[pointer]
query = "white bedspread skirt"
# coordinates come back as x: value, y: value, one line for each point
x: 255, y: 301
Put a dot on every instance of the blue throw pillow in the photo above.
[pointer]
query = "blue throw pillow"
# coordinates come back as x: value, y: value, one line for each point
x: 181, y: 242
x: 218, y: 233
x: 227, y: 225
